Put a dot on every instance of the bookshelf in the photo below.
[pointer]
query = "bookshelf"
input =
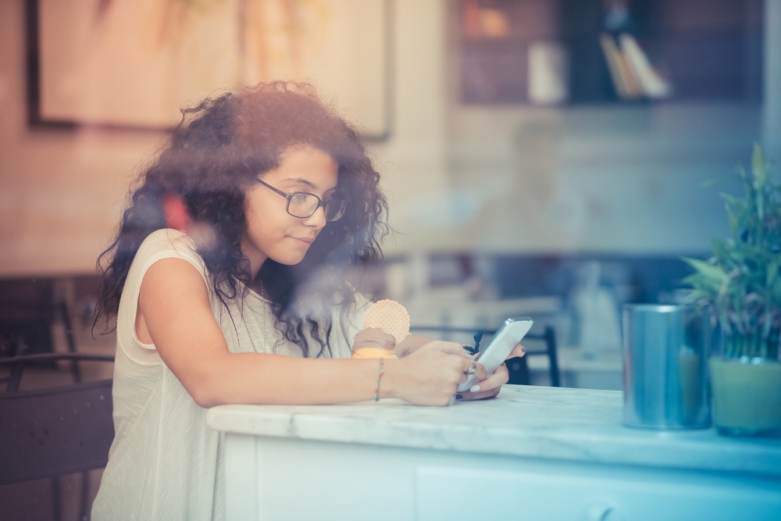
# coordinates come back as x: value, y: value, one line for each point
x: 557, y: 52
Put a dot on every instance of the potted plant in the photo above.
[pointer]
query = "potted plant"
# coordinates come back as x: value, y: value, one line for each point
x: 740, y: 287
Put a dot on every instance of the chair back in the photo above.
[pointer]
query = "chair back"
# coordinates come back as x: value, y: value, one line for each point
x: 55, y: 431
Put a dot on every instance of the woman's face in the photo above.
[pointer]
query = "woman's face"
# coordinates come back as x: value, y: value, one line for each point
x: 272, y: 233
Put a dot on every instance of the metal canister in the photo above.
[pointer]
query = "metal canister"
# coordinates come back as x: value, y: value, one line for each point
x: 665, y: 350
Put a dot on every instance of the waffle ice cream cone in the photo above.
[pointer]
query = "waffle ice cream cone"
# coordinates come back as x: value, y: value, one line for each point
x: 390, y: 316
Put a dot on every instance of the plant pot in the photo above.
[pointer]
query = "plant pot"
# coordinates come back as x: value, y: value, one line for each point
x: 746, y: 396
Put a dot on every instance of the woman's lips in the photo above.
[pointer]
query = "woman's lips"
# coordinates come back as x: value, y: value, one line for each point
x: 306, y: 241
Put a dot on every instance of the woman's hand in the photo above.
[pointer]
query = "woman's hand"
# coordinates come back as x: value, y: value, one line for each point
x: 410, y: 344
x: 430, y: 375
x: 373, y: 337
x: 490, y: 387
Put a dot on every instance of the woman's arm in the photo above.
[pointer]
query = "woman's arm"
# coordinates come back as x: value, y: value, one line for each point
x: 174, y: 313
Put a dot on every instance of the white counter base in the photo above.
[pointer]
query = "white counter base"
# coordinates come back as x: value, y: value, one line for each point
x: 287, y: 479
x: 534, y: 453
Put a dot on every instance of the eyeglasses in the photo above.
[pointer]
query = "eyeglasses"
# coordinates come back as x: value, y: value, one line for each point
x: 304, y: 204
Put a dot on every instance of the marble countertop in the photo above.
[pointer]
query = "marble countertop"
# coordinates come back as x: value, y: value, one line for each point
x: 542, y: 422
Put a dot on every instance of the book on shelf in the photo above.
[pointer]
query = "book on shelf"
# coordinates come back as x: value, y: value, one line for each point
x: 480, y: 21
x: 611, y: 57
x: 630, y: 69
x: 651, y: 82
x: 625, y: 83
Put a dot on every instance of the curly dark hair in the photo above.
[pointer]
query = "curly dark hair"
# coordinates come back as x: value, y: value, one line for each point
x: 213, y: 157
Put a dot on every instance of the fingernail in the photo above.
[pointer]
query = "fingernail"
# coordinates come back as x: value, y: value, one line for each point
x: 474, y: 389
x: 459, y: 397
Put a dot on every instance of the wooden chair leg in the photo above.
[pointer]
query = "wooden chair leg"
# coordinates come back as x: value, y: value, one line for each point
x: 84, y: 495
x: 56, y: 498
x: 71, y: 338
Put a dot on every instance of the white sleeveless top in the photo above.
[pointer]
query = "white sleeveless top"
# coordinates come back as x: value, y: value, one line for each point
x: 164, y: 463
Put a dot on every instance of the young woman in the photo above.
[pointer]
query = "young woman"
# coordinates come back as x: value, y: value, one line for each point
x: 227, y: 284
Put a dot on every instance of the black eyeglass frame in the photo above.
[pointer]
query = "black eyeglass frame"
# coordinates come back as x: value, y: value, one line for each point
x: 320, y: 202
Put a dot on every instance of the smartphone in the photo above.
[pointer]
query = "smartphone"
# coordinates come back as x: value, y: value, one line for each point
x: 502, y: 343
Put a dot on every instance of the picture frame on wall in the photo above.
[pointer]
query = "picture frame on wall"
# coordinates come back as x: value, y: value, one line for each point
x: 134, y: 64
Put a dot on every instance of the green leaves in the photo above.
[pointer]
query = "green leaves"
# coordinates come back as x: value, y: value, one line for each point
x: 758, y: 167
x: 741, y: 281
x: 708, y: 277
x: 737, y: 213
x: 715, y: 273
x: 759, y: 171
x: 772, y: 272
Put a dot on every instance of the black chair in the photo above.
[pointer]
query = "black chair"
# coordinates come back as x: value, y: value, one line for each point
x: 517, y: 367
x: 47, y: 433
x: 28, y: 308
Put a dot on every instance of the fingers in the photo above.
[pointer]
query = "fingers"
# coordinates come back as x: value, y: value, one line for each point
x: 480, y: 372
x: 453, y: 348
x: 373, y: 337
x: 493, y: 382
x: 457, y: 372
x: 480, y: 395
x: 518, y: 350
x: 410, y: 344
x: 466, y: 368
x: 436, y: 370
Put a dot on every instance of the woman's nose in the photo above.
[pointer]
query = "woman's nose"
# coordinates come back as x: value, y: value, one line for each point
x: 317, y: 219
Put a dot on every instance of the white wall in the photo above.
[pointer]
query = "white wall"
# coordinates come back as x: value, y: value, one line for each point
x: 61, y: 192
x: 621, y: 179
x: 412, y: 162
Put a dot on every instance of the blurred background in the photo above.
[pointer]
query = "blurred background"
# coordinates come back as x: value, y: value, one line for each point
x: 548, y: 158
x: 541, y: 157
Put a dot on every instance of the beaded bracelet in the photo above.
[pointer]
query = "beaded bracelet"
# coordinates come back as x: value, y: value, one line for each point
x: 379, y: 379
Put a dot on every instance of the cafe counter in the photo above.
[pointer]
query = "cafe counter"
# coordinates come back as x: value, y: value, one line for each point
x: 532, y: 453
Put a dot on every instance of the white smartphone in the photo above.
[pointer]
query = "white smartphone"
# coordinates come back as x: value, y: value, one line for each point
x: 503, y: 342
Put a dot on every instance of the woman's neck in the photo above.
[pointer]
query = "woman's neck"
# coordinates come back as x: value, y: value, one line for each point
x: 255, y: 256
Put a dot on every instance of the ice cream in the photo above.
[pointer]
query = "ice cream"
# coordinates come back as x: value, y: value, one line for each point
x: 385, y: 324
